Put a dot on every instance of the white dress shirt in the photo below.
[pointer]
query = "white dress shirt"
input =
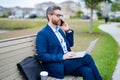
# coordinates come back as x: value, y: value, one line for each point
x: 60, y: 38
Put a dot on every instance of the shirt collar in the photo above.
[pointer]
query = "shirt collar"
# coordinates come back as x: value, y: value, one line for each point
x: 54, y: 30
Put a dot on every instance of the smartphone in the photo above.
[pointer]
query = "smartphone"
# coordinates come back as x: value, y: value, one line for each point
x: 61, y: 22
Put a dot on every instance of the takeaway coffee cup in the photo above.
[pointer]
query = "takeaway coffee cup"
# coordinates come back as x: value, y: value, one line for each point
x: 44, y: 75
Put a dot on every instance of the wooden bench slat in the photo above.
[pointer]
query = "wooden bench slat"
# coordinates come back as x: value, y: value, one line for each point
x: 8, y: 73
x: 15, y: 47
x: 66, y: 78
x: 16, y: 38
x: 11, y: 41
x: 19, y: 78
x: 15, y: 42
x: 13, y: 77
x: 11, y: 62
x: 6, y: 68
x: 17, y: 52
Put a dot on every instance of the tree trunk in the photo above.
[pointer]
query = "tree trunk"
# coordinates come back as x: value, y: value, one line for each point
x: 91, y: 21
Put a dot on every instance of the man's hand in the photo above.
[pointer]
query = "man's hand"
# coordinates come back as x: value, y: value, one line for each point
x: 65, y: 27
x: 68, y: 55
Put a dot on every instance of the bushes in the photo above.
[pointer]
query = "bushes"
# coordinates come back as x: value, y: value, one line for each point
x: 4, y: 16
x: 115, y: 20
x: 99, y: 16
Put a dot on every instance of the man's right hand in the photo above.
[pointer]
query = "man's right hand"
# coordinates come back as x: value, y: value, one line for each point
x: 68, y: 55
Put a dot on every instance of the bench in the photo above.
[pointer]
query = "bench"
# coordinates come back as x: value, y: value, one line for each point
x: 14, y: 50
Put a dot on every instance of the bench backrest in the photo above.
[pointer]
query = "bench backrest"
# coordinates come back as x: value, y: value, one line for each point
x: 13, y: 51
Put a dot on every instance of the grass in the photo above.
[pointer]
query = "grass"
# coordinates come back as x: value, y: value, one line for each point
x: 16, y: 24
x: 105, y: 53
x: 118, y: 26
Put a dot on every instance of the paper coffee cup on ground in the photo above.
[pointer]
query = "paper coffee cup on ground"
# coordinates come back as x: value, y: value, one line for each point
x: 44, y: 75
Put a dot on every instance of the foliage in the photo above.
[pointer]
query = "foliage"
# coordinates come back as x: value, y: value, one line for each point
x: 98, y: 8
x: 79, y: 13
x: 115, y: 6
x: 4, y: 16
x: 92, y: 4
x: 99, y: 15
x: 115, y: 20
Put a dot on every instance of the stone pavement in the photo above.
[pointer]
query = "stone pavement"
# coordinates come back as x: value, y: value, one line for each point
x: 114, y: 31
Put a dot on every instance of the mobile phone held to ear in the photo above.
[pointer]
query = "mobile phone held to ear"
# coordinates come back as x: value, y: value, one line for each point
x: 61, y: 22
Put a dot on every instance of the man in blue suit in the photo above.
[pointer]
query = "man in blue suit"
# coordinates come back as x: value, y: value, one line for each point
x: 53, y: 44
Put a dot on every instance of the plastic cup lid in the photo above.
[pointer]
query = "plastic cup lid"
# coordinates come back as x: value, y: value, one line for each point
x: 44, y: 73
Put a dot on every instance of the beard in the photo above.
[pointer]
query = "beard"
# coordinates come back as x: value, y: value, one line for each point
x: 56, y: 22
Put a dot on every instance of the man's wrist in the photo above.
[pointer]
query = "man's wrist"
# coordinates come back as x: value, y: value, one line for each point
x: 68, y: 31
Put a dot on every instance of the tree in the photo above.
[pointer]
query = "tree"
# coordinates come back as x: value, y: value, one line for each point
x: 78, y: 13
x: 117, y: 0
x: 92, y: 4
x: 99, y: 12
x: 115, y: 6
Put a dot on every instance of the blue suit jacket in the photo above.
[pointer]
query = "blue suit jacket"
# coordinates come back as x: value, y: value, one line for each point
x: 50, y: 51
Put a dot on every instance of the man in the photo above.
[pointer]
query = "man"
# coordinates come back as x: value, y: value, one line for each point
x: 53, y: 44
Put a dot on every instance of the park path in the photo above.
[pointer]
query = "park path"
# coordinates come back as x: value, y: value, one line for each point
x: 114, y: 31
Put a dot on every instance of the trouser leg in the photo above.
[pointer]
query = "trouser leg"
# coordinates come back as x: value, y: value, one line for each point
x: 88, y: 61
x: 71, y: 65
x: 74, y: 64
x: 85, y: 72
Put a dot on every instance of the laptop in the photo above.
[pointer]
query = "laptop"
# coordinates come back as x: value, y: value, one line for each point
x: 88, y: 50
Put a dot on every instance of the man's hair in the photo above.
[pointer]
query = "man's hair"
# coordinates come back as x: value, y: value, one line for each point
x: 51, y: 9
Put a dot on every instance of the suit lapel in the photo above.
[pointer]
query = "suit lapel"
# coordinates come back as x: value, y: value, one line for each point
x: 62, y: 33
x: 53, y: 35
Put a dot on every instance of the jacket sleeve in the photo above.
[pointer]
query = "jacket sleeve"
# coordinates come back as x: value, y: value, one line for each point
x: 42, y: 50
x: 70, y: 37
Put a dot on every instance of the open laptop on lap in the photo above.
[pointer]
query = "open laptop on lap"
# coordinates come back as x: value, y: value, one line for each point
x: 88, y: 50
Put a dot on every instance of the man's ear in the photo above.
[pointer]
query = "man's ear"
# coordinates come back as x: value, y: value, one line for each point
x: 49, y: 16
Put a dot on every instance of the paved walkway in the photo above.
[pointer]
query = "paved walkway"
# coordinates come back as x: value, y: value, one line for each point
x: 114, y: 31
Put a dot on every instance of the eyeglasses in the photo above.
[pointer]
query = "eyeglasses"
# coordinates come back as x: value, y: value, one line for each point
x: 59, y: 15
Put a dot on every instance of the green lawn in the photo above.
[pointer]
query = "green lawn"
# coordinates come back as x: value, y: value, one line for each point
x: 16, y: 24
x: 105, y: 52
